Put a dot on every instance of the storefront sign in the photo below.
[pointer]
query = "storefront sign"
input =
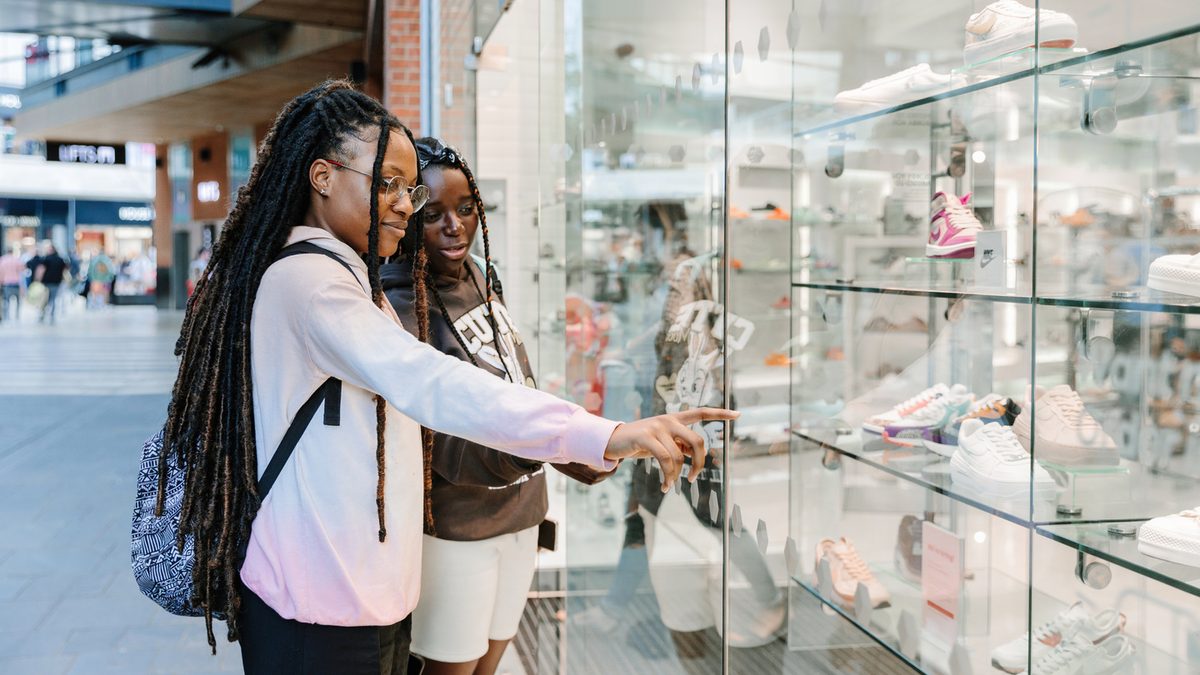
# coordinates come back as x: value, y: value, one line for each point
x: 21, y: 212
x: 941, y: 583
x: 208, y: 191
x: 89, y: 212
x: 20, y: 221
x: 135, y: 214
x: 84, y: 153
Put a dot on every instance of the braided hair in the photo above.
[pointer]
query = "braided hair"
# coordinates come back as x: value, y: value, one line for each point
x: 433, y: 153
x: 210, y: 418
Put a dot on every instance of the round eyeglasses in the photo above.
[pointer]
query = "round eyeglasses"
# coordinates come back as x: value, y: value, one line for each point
x: 392, y: 187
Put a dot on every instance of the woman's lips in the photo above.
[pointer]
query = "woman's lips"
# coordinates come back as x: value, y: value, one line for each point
x: 399, y: 227
x: 455, y: 252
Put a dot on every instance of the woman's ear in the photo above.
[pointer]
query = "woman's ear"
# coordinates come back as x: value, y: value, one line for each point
x: 320, y: 174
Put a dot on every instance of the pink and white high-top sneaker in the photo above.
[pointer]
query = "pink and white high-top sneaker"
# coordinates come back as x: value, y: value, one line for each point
x: 952, y: 228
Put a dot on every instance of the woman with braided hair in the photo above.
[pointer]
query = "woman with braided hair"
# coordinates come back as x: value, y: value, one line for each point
x: 479, y: 560
x: 321, y: 574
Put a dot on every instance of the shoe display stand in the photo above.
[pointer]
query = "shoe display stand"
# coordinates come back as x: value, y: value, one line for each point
x: 1080, y: 168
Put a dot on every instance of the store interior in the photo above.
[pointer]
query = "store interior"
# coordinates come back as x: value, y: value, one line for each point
x: 946, y: 275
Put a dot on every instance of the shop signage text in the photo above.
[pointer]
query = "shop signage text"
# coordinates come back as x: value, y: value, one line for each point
x: 135, y: 214
x: 208, y: 191
x: 84, y: 153
x: 20, y: 221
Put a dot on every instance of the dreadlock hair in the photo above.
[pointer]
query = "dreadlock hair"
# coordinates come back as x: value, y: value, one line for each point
x: 210, y: 418
x: 431, y: 152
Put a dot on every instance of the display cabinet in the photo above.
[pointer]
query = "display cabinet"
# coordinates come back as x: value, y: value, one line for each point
x: 939, y: 256
x: 995, y: 336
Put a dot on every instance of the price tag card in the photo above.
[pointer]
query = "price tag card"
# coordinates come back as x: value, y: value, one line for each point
x: 991, y: 259
x: 941, y: 583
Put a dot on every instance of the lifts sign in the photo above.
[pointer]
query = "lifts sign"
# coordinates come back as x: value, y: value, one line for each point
x: 85, y: 153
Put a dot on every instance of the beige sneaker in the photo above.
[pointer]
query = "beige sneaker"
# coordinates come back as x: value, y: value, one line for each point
x: 848, y: 570
x: 1066, y: 434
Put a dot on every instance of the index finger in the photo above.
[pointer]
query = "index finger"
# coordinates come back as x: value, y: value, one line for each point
x: 690, y: 417
x: 692, y: 443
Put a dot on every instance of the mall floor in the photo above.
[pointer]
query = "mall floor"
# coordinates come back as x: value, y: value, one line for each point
x: 76, y: 401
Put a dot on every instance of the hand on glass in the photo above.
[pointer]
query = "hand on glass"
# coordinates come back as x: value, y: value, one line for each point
x: 666, y: 438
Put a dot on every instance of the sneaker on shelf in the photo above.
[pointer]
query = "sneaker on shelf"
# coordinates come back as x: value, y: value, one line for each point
x: 908, y: 548
x: 991, y: 408
x: 1080, y: 218
x: 876, y: 423
x: 990, y: 461
x: 777, y: 359
x: 1072, y: 621
x: 1066, y: 434
x: 926, y: 422
x: 909, y: 84
x: 1176, y: 274
x: 847, y: 570
x: 1175, y: 538
x: 1080, y: 656
x: 1007, y: 26
x: 952, y: 227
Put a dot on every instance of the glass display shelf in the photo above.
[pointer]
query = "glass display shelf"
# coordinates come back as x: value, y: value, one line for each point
x: 913, y: 289
x: 1128, y: 492
x: 1072, y: 63
x: 1006, y: 597
x: 1122, y: 550
x: 1133, y: 299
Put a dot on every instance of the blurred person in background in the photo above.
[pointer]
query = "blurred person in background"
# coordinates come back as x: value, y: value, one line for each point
x: 196, y: 270
x: 100, y: 276
x: 12, y: 282
x: 49, y: 269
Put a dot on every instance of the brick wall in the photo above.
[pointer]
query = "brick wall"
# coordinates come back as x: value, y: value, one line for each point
x: 402, y: 61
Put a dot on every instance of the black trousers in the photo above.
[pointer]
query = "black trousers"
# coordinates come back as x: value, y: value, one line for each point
x: 274, y: 645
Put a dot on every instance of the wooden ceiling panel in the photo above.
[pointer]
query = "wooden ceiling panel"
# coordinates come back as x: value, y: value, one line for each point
x: 349, y: 14
x: 236, y: 102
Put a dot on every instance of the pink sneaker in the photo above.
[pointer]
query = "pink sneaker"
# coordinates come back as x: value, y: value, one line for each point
x: 952, y: 228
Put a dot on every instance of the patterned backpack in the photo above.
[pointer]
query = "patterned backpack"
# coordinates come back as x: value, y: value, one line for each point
x: 162, y: 569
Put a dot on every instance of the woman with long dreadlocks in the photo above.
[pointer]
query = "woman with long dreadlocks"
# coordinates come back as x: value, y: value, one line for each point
x: 479, y: 561
x: 323, y: 586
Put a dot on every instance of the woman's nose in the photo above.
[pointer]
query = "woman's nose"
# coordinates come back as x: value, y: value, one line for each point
x: 403, y: 205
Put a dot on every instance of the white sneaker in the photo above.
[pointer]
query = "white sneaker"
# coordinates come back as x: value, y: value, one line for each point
x: 907, y: 85
x: 1007, y: 26
x: 1081, y: 656
x: 1175, y: 538
x: 876, y: 423
x: 1072, y: 621
x: 990, y: 461
x: 1066, y: 433
x: 1176, y: 274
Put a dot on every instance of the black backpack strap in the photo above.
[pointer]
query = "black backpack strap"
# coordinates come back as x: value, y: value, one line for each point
x: 307, y: 247
x: 330, y: 392
x: 295, y: 431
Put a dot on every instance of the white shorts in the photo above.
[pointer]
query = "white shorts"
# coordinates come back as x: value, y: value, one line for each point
x: 472, y: 592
